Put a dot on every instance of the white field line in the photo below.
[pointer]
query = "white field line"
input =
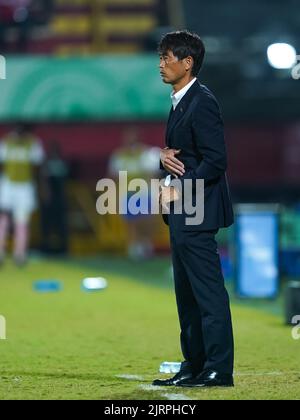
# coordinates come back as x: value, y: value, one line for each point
x: 174, y: 397
x: 131, y: 377
x: 149, y: 387
x: 171, y: 397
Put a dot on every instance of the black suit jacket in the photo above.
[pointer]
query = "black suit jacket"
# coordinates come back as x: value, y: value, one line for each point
x: 196, y: 128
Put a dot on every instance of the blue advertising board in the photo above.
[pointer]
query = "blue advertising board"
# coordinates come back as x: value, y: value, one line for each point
x: 257, y: 253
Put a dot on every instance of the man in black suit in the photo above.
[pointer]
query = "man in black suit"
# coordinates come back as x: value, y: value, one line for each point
x: 196, y: 151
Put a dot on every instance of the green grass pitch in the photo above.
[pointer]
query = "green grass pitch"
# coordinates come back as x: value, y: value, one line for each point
x: 74, y: 345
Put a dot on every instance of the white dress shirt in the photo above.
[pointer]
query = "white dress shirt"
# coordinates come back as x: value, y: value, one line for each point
x: 176, y: 97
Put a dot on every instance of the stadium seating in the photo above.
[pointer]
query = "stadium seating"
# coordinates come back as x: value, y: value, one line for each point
x: 103, y: 26
x: 79, y: 27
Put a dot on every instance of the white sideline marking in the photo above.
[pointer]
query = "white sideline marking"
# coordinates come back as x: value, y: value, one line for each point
x: 150, y: 388
x: 174, y: 397
x: 131, y: 377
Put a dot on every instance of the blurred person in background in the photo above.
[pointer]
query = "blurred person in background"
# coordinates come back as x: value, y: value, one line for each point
x: 55, y: 172
x: 140, y: 161
x: 21, y: 157
x: 196, y: 151
x: 22, y: 16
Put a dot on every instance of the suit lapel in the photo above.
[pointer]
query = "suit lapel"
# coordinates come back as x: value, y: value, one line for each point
x: 173, y: 118
x: 176, y: 116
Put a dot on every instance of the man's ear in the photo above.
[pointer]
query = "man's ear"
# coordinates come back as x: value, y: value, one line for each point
x: 189, y: 62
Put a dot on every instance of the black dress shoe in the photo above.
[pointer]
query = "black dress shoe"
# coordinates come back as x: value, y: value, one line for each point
x: 208, y: 378
x: 176, y: 380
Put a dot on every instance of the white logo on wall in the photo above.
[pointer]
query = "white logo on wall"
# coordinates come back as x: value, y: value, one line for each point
x: 2, y: 68
x: 2, y: 328
x: 296, y: 69
x: 296, y: 329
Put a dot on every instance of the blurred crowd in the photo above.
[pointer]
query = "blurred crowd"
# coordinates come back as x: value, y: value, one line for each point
x: 19, y: 17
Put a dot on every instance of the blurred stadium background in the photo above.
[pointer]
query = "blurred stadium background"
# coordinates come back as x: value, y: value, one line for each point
x: 84, y: 74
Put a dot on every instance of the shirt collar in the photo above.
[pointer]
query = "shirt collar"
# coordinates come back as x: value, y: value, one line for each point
x: 176, y: 97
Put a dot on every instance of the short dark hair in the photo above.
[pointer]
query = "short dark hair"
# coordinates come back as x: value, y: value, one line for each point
x: 184, y: 44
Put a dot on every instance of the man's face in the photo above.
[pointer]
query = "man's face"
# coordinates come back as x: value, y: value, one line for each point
x: 172, y: 70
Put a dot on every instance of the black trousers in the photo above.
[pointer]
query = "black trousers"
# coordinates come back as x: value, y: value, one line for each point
x: 203, y: 302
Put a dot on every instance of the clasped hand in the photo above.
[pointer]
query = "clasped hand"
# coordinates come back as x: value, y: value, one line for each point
x: 170, y: 162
